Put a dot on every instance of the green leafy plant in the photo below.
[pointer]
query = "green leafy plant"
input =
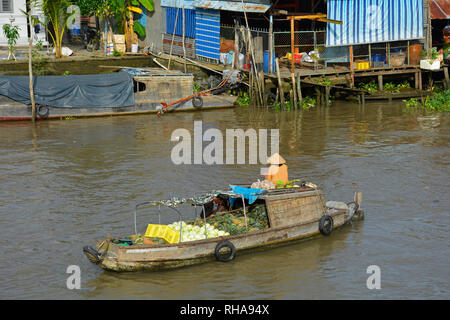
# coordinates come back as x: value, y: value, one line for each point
x: 309, y: 103
x: 368, y: 86
x: 12, y: 34
x: 243, y: 100
x: 324, y: 81
x: 57, y: 16
x: 439, y: 101
x: 39, y: 60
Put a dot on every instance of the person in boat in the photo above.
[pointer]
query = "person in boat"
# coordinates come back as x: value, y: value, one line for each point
x: 220, y: 203
x: 278, y: 170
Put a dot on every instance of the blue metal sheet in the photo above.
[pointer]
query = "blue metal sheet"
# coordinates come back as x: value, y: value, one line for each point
x: 207, y: 37
x: 171, y: 17
x: 371, y: 21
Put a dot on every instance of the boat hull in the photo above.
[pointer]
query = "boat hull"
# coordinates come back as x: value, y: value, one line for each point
x: 155, y: 258
x: 11, y: 110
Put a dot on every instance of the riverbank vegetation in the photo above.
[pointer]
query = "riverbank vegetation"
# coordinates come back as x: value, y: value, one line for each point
x: 439, y: 101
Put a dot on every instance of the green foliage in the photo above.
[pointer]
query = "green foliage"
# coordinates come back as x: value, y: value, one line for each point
x: 309, y: 103
x: 439, y: 101
x: 12, y: 34
x: 139, y: 29
x: 66, y: 73
x: 39, y: 61
x: 243, y: 100
x: 368, y: 86
x: 324, y: 81
x: 197, y: 87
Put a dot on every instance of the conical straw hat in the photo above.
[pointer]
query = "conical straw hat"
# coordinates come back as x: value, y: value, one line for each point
x: 276, y: 159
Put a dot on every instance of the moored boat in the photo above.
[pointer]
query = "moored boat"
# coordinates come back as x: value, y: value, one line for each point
x: 292, y: 214
x: 121, y: 93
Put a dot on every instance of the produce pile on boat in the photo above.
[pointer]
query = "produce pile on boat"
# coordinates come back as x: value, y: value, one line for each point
x: 190, y: 232
x: 234, y: 222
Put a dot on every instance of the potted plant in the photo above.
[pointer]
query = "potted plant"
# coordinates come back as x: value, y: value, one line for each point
x: 12, y: 34
x: 431, y: 64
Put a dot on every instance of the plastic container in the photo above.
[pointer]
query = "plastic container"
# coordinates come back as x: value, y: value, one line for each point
x: 414, y: 53
x: 134, y: 48
x: 266, y: 62
x: 110, y: 48
x: 163, y: 232
x: 378, y: 60
x: 297, y: 57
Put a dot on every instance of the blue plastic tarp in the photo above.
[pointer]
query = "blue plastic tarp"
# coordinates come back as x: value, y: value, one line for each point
x: 72, y: 91
x: 250, y: 194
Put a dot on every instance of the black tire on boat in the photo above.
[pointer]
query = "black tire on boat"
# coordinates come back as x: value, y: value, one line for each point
x: 326, y: 225
x: 92, y: 254
x: 353, y: 206
x: 43, y: 112
x: 225, y: 244
x: 197, y: 101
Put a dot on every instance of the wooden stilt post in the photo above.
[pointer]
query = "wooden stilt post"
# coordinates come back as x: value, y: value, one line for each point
x: 351, y: 67
x: 420, y: 80
x: 327, y: 95
x: 446, y: 79
x: 294, y: 90
x: 380, y: 82
x: 271, y: 45
x: 416, y: 80
x: 280, y: 85
x: 292, y: 44
x: 299, y: 93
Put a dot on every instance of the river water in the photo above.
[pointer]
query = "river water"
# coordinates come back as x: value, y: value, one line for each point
x: 64, y: 184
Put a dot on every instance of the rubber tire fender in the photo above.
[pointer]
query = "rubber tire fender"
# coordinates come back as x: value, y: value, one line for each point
x: 355, y: 204
x: 197, y: 101
x: 43, y: 112
x: 225, y: 244
x: 92, y: 254
x: 322, y: 221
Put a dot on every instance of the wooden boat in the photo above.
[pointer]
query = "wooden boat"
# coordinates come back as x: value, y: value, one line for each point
x: 151, y: 90
x: 293, y: 214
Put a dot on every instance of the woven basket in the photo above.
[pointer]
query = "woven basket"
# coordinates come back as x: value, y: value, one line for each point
x: 398, y: 59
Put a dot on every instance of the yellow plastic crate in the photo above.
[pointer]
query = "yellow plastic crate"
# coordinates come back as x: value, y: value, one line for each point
x: 362, y: 65
x: 163, y: 232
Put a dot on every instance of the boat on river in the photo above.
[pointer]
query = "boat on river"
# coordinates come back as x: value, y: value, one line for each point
x: 128, y: 92
x: 292, y: 214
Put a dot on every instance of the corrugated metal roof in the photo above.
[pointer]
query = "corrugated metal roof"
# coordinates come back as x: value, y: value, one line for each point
x: 440, y: 9
x: 232, y: 6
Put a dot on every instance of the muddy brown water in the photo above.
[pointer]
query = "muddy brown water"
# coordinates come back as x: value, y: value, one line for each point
x: 64, y: 184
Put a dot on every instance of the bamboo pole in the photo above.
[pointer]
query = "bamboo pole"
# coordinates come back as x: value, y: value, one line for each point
x: 271, y: 45
x: 299, y: 93
x: 280, y: 85
x: 351, y: 66
x: 184, y: 47
x: 173, y: 37
x: 292, y: 45
x: 30, y: 69
x: 294, y: 90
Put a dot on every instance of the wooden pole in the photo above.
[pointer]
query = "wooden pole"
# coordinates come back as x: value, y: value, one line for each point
x: 30, y: 69
x: 294, y: 90
x: 280, y: 85
x: 299, y: 93
x: 173, y: 37
x: 292, y: 45
x: 271, y: 45
x: 351, y: 67
x: 184, y: 47
x: 236, y: 47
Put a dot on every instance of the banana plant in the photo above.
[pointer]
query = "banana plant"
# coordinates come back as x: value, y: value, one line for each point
x: 127, y: 8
